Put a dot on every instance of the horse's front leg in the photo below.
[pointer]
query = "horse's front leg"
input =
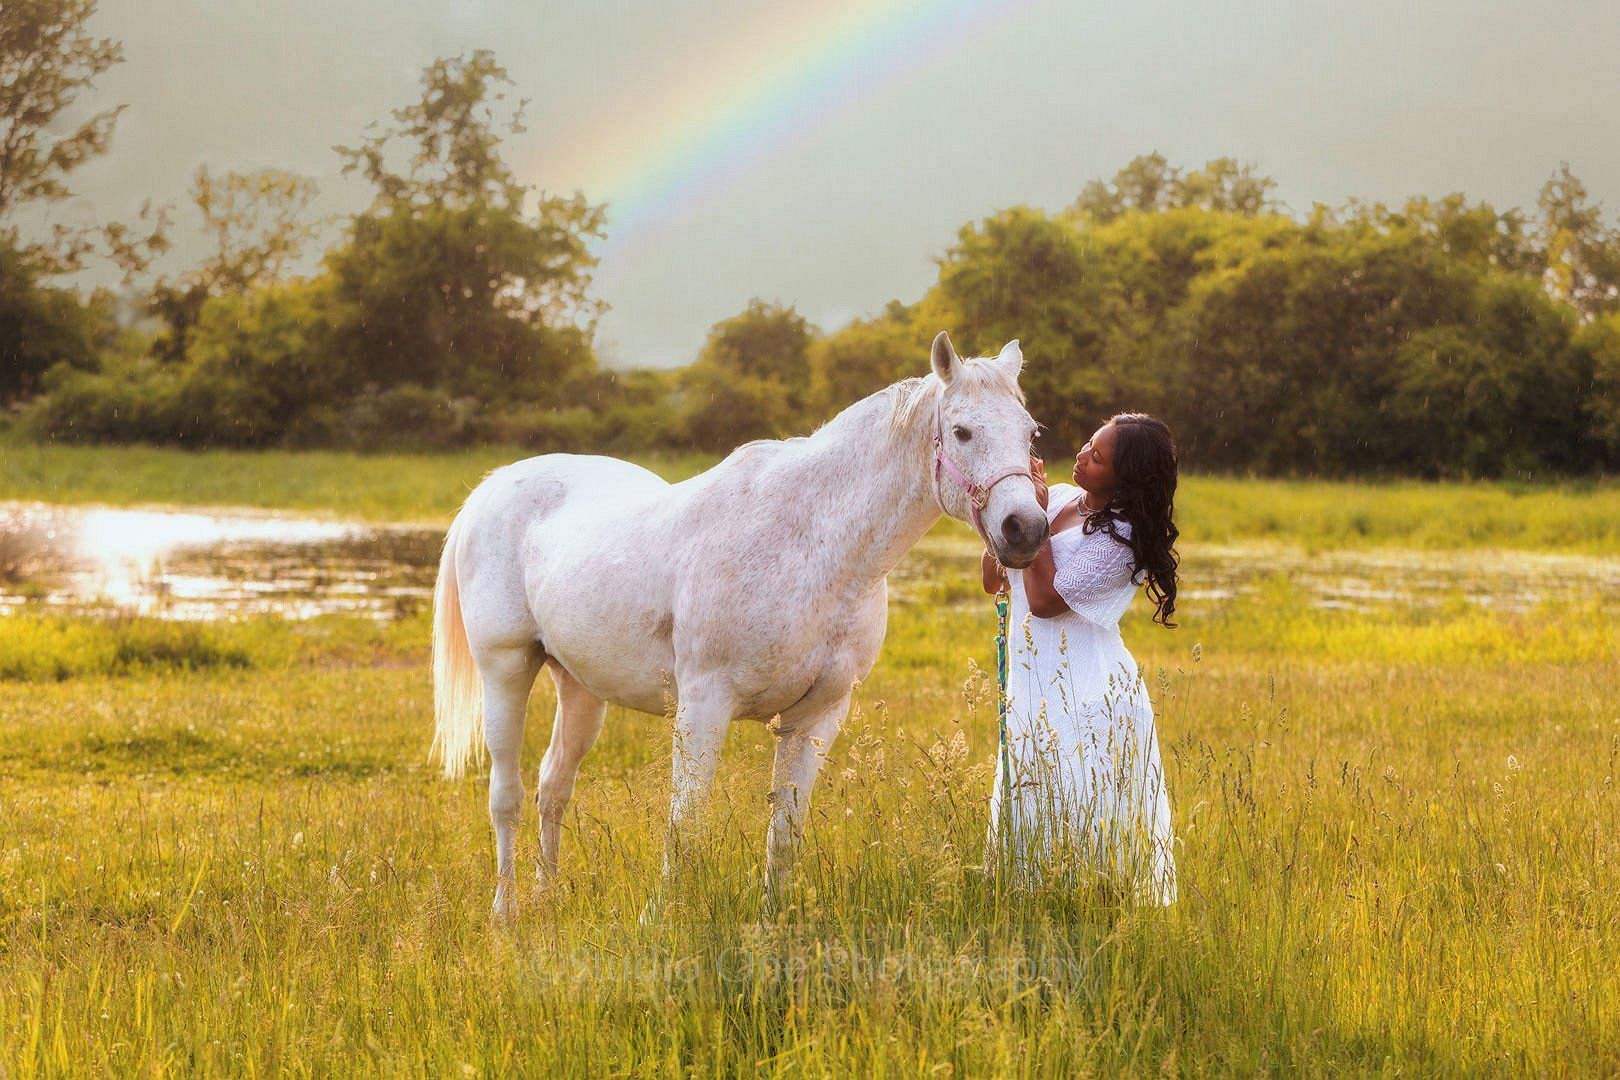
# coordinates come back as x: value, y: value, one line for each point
x: 701, y: 722
x: 800, y: 753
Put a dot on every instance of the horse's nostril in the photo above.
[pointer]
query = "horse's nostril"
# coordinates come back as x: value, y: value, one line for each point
x: 1013, y: 530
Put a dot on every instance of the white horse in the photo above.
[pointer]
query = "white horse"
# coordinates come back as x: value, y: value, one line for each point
x: 754, y: 590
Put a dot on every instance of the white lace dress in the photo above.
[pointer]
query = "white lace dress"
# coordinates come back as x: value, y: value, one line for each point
x: 1087, y: 786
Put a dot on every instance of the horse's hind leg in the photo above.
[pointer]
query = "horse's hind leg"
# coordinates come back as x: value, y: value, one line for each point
x: 508, y: 672
x: 799, y: 757
x: 578, y: 723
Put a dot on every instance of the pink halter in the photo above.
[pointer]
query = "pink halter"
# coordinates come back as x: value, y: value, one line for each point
x: 978, y: 494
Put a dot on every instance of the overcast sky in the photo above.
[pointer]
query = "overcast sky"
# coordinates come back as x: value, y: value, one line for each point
x: 824, y: 154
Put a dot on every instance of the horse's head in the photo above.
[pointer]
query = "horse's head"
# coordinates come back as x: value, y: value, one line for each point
x: 981, y: 462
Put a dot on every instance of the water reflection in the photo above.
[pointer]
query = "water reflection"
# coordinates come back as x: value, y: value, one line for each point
x: 221, y: 564
x: 209, y: 564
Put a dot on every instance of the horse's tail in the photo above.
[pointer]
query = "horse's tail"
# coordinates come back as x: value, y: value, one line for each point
x: 458, y: 694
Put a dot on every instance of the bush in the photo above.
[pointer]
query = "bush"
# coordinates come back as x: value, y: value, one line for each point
x: 718, y: 409
x: 1600, y: 341
x: 253, y: 367
x: 40, y: 326
x: 409, y: 417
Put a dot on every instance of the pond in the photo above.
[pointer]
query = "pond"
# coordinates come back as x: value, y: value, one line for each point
x: 206, y: 564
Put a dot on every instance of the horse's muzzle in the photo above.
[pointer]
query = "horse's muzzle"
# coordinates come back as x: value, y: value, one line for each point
x: 1020, y: 539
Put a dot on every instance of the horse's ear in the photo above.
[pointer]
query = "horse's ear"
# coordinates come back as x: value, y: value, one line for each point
x: 946, y: 362
x: 1012, y: 359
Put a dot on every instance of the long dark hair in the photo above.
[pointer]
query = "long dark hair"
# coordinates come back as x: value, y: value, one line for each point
x: 1145, y: 496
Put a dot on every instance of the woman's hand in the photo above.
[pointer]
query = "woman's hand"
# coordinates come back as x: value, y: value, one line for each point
x: 1044, y: 601
x: 1037, y: 470
x: 991, y: 572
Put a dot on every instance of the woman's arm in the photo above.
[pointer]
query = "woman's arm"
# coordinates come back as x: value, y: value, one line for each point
x: 1094, y: 566
x: 991, y: 572
x: 1044, y: 601
x: 1038, y: 574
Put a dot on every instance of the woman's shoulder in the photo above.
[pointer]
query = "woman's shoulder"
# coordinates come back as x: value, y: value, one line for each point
x: 1059, y: 495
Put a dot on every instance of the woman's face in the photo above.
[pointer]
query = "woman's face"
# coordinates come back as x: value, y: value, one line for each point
x: 1094, y: 464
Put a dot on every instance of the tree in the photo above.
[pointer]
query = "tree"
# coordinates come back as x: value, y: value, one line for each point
x: 1143, y: 186
x: 450, y: 278
x: 866, y: 356
x: 1416, y: 341
x: 752, y: 379
x: 765, y: 341
x: 1021, y: 274
x: 452, y: 138
x: 1354, y: 350
x: 1600, y: 340
x: 1227, y: 186
x: 256, y: 223
x: 264, y: 352
x: 1150, y: 184
x: 1474, y: 232
x: 256, y: 369
x: 719, y: 409
x: 47, y: 58
x: 1583, y: 255
x: 40, y: 326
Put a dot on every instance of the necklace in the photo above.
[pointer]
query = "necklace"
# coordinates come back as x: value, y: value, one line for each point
x: 1084, y: 509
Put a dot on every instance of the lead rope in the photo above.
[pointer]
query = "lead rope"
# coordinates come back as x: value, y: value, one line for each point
x: 1001, y: 723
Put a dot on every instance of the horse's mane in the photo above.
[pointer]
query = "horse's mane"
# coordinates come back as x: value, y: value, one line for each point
x: 909, y: 396
x: 907, y: 400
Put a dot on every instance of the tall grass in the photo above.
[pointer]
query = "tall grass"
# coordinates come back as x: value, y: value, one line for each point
x: 1396, y: 852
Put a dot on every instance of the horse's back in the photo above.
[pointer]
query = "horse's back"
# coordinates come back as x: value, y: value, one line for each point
x: 510, y: 521
x: 546, y: 481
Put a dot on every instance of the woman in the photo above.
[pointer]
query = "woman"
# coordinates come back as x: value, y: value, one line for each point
x: 1085, y: 790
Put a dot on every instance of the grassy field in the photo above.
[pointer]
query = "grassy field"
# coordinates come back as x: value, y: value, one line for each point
x: 425, y: 488
x: 428, y: 488
x: 227, y: 854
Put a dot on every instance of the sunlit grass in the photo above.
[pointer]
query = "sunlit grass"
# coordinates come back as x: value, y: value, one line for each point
x: 1396, y: 851
x: 43, y: 647
x: 227, y: 853
x: 1322, y: 515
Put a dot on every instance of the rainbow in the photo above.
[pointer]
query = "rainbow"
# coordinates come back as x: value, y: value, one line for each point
x: 784, y: 73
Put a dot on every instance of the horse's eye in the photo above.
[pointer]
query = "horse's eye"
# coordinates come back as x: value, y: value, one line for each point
x: 962, y: 433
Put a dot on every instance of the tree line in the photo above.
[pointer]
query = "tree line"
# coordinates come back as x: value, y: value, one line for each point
x: 1438, y: 338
